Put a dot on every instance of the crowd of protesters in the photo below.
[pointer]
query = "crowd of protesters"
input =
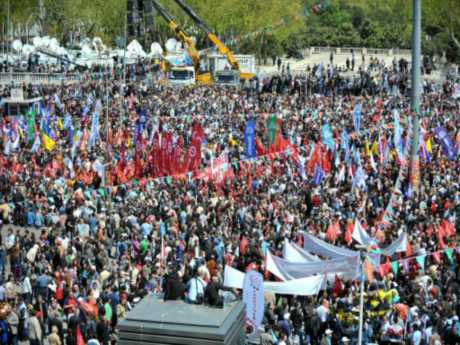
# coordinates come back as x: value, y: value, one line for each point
x: 109, y: 193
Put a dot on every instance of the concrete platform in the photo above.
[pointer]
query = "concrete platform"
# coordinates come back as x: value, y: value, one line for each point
x: 156, y: 322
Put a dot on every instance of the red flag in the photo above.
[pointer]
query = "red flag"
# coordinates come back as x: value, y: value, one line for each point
x: 315, y: 159
x: 333, y: 232
x: 164, y: 161
x: 138, y: 165
x: 385, y: 269
x: 261, y: 150
x: 437, y: 257
x: 338, y: 286
x: 80, y: 339
x: 349, y: 232
x: 167, y: 154
x: 326, y: 161
x: 176, y: 157
x: 449, y: 228
x: 156, y: 155
x: 194, y: 151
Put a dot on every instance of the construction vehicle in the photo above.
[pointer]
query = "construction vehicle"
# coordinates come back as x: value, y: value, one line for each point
x: 231, y: 76
x: 184, y: 75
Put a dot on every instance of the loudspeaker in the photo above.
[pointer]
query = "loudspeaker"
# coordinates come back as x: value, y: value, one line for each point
x: 131, y: 31
x: 130, y: 18
x: 148, y: 6
x: 140, y: 5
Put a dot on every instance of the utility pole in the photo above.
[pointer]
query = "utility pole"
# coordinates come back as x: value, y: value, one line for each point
x: 42, y: 15
x: 416, y: 89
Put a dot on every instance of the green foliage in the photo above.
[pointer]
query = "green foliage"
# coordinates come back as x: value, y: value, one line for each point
x: 264, y: 27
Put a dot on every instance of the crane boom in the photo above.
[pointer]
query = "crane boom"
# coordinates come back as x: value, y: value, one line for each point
x: 223, y: 49
x: 180, y: 34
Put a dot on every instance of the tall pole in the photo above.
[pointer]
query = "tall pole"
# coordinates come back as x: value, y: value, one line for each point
x: 8, y: 28
x: 416, y: 87
x: 361, y: 298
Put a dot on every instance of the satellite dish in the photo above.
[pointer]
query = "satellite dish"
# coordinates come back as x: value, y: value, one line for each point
x: 155, y: 49
x: 17, y: 45
x: 171, y: 45
x: 37, y: 42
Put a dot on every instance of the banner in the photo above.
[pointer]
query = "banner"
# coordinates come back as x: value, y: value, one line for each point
x: 253, y: 297
x: 293, y: 253
x: 357, y: 113
x: 250, y: 139
x: 319, y: 247
x: 360, y: 235
x: 398, y: 246
x: 446, y: 142
x: 310, y: 286
x: 285, y: 270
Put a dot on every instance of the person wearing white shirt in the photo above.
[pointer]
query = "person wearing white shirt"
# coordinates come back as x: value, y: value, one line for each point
x: 196, y: 287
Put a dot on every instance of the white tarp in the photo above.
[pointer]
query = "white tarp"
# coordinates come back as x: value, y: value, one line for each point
x: 360, y: 235
x: 314, y: 245
x: 285, y: 270
x: 135, y: 48
x: 398, y: 246
x: 293, y: 253
x: 309, y: 286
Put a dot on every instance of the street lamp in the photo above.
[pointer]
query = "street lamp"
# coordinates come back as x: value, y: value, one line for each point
x: 362, y: 256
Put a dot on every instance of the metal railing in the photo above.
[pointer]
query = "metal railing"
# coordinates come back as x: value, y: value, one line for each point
x: 357, y: 51
x: 7, y: 78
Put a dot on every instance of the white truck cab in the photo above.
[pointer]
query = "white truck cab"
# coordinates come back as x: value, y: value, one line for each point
x: 182, y: 75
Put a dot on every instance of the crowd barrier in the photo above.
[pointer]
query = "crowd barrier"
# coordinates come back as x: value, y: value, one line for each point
x: 357, y: 51
x: 16, y: 78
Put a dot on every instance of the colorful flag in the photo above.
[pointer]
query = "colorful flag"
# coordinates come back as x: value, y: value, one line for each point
x: 48, y: 142
x: 272, y: 127
x: 357, y: 114
x: 328, y: 137
x: 250, y: 139
x: 446, y: 142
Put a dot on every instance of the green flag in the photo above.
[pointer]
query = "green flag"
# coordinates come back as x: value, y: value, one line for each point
x: 31, y: 125
x: 395, y: 267
x: 450, y: 254
x: 272, y: 127
x: 421, y: 261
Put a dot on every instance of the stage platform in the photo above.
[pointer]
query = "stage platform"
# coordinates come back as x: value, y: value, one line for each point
x: 155, y: 322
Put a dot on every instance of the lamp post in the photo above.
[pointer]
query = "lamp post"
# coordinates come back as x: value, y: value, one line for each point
x: 362, y: 256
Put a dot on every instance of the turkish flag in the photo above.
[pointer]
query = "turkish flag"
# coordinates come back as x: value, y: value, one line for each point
x: 194, y: 151
x: 261, y: 150
x: 156, y: 155
x: 176, y: 157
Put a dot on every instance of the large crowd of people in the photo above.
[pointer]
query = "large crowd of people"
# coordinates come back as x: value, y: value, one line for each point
x: 111, y: 193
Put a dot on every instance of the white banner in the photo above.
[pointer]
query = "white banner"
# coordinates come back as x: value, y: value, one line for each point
x: 253, y: 297
x: 316, y: 246
x: 398, y: 246
x: 284, y: 270
x: 293, y: 253
x: 360, y: 235
x: 309, y: 286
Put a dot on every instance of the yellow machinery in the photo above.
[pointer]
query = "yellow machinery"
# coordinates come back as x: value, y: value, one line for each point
x: 203, y: 78
x: 223, y: 49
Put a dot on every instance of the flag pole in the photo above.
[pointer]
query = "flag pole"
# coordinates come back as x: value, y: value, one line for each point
x: 416, y: 89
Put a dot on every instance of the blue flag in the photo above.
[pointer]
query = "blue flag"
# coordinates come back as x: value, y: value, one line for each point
x: 250, y: 139
x: 357, y: 112
x: 446, y: 143
x: 319, y: 175
x: 328, y: 137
